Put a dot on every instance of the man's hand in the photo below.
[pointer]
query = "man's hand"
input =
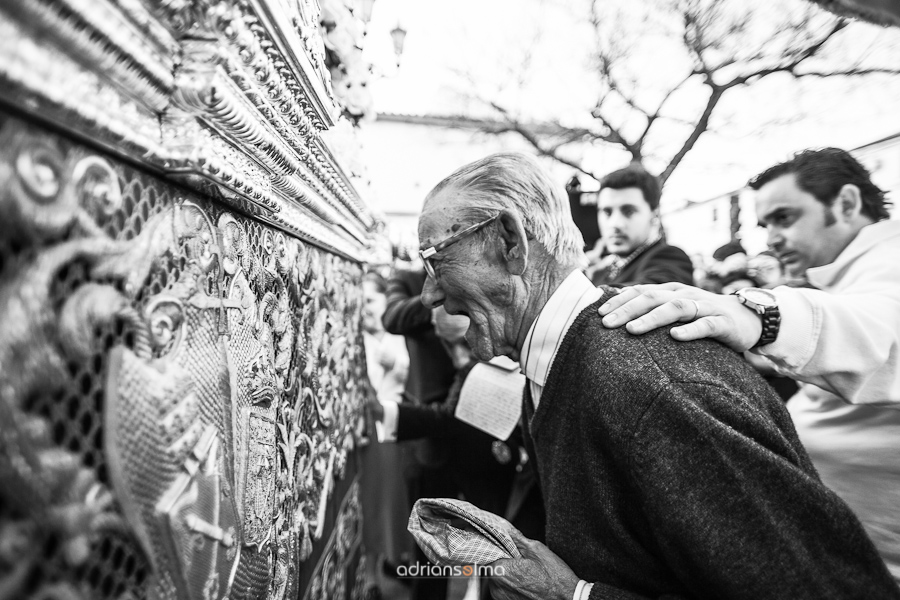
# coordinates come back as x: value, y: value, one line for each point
x: 647, y: 307
x: 538, y: 575
x: 376, y: 410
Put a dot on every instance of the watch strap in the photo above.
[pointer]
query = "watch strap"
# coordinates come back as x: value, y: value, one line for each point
x: 769, y: 316
x: 771, y: 323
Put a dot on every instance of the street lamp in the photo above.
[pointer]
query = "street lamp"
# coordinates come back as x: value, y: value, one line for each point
x: 365, y: 9
x: 398, y: 34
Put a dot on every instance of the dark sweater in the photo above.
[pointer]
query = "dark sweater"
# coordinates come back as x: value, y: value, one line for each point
x: 671, y: 469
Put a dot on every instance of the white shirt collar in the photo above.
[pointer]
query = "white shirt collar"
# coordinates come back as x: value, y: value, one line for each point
x: 826, y: 276
x: 572, y: 296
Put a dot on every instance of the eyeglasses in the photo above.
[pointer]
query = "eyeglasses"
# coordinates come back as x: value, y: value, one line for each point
x: 427, y: 253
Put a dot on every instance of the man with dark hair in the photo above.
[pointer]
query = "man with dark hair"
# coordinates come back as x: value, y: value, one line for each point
x: 667, y: 470
x: 634, y: 248
x: 827, y: 223
x: 823, y: 173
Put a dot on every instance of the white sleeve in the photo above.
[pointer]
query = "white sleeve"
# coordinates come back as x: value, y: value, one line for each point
x: 386, y: 429
x: 847, y: 343
x: 582, y: 590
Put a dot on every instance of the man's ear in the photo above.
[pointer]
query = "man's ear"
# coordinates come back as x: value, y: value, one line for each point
x: 515, y: 241
x: 849, y: 202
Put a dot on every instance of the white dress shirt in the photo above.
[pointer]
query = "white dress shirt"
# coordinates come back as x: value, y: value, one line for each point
x: 843, y: 339
x: 573, y: 295
x: 388, y: 384
x: 845, y: 336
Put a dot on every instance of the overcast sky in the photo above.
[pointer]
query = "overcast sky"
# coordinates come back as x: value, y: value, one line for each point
x: 467, y: 46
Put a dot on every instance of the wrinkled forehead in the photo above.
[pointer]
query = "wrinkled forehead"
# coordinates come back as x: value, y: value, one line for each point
x: 442, y: 216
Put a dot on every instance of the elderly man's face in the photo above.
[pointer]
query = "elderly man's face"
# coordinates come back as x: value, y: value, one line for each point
x: 470, y: 279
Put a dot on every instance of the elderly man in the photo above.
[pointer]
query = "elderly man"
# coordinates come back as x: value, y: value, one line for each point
x: 667, y: 469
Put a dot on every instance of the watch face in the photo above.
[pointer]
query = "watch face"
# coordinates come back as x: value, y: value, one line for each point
x: 763, y: 298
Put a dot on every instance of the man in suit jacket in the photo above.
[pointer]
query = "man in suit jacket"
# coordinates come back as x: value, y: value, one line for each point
x: 634, y: 248
x: 667, y: 469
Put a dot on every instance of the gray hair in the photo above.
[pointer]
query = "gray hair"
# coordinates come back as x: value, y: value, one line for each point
x: 511, y: 179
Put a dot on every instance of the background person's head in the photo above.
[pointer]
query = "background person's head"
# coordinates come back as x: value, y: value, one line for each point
x: 627, y: 208
x: 451, y: 329
x: 374, y: 302
x: 765, y: 269
x: 814, y: 205
x: 490, y: 274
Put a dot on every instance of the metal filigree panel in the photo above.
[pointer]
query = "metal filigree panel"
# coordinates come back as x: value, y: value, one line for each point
x: 227, y: 97
x: 180, y: 390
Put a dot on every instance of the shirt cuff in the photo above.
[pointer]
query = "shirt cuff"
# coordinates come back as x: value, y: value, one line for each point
x: 386, y: 428
x: 797, y: 334
x: 582, y: 590
x: 578, y: 587
x: 586, y: 591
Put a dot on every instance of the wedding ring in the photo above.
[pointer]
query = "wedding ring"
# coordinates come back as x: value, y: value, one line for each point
x: 696, y: 310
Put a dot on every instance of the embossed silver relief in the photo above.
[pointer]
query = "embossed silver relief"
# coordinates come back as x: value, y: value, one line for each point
x: 122, y: 115
x: 205, y: 161
x: 53, y: 85
x: 227, y: 390
x: 211, y: 87
x: 215, y: 438
x: 98, y: 33
x: 330, y: 578
x: 178, y: 491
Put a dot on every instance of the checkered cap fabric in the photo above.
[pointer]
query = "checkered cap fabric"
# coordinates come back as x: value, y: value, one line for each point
x: 453, y: 532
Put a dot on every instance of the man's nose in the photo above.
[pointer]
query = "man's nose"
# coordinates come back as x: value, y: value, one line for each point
x: 616, y: 221
x: 774, y: 239
x: 432, y: 294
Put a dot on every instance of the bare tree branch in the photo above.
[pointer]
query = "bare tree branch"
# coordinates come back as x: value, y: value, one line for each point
x: 794, y: 59
x: 847, y: 73
x: 657, y: 114
x: 513, y: 125
x: 722, y: 45
x: 699, y: 129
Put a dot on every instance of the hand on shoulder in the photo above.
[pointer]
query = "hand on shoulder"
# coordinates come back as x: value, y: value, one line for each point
x: 643, y: 308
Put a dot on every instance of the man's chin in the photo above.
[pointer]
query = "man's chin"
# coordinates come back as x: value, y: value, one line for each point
x: 481, y: 348
x: 795, y: 269
x: 483, y: 356
x: 619, y: 250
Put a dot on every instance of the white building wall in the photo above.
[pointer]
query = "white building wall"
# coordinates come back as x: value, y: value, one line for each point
x: 883, y: 161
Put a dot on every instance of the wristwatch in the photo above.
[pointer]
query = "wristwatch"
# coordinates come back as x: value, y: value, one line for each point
x: 763, y: 303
